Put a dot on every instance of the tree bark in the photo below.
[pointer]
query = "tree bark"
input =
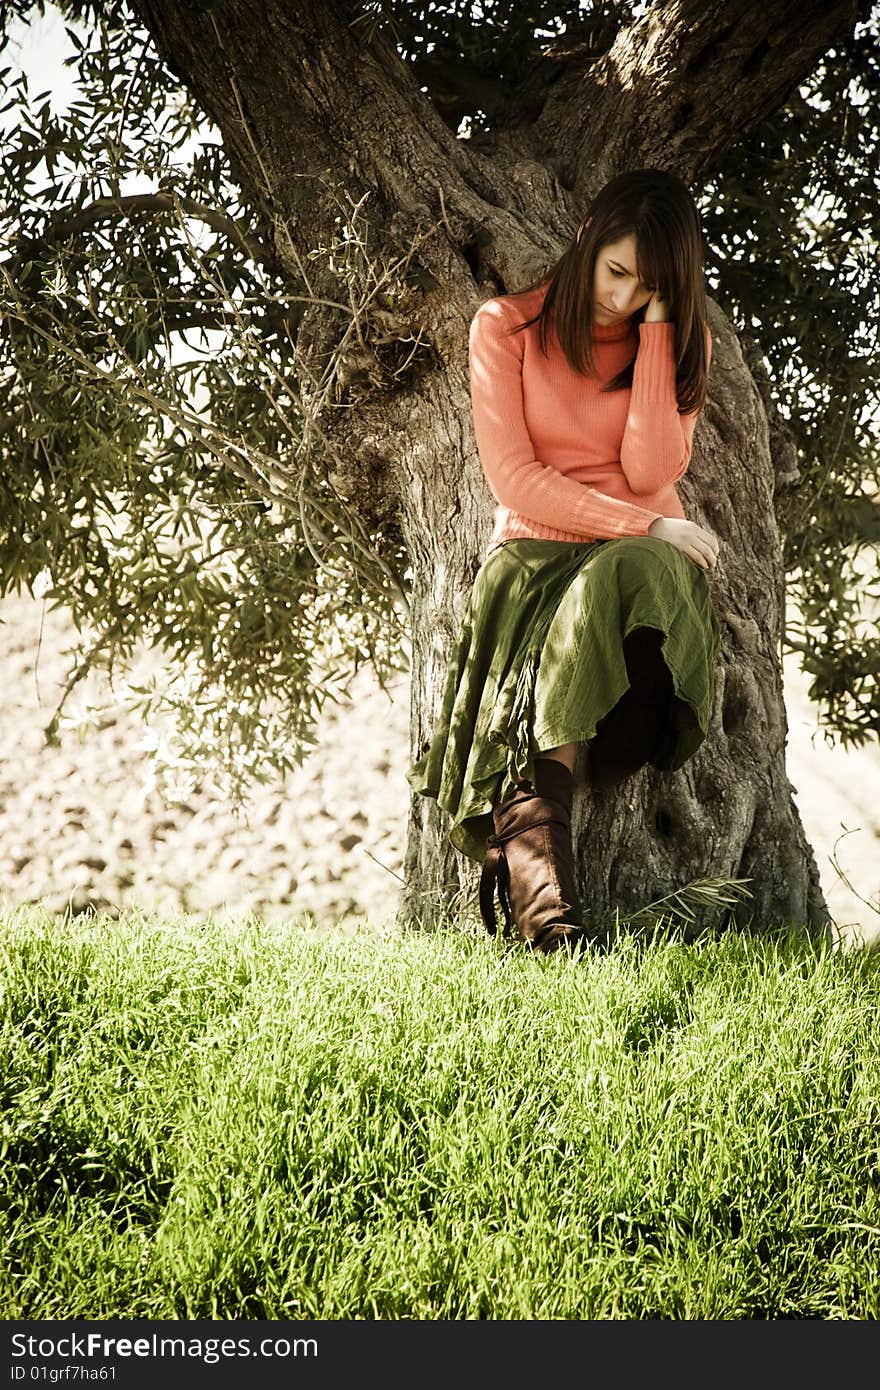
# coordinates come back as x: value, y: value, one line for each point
x: 309, y: 112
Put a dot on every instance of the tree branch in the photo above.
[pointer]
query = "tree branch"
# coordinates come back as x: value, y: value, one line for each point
x: 307, y: 109
x: 67, y: 225
x: 681, y: 84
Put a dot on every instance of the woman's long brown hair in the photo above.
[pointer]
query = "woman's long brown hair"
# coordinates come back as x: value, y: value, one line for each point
x: 658, y: 209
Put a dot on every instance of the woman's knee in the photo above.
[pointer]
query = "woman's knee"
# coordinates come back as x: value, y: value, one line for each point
x: 635, y: 559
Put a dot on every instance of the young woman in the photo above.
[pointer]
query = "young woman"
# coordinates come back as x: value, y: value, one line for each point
x: 590, y: 620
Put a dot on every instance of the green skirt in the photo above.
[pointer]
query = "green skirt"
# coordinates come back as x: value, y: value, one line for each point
x: 541, y: 660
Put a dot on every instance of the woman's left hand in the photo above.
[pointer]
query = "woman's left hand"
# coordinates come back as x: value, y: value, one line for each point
x: 657, y: 310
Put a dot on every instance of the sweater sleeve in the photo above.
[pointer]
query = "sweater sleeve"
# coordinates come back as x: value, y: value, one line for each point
x: 517, y: 478
x: 656, y: 445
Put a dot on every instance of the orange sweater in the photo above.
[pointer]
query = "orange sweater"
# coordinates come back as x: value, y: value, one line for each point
x: 564, y: 462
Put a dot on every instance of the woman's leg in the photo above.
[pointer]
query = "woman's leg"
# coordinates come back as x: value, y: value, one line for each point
x: 566, y: 754
x: 631, y: 733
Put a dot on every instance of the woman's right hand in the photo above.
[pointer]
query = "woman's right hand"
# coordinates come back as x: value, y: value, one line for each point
x: 695, y: 541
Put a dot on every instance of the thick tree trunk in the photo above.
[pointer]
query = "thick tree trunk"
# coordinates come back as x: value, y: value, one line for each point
x: 307, y: 111
x: 729, y: 812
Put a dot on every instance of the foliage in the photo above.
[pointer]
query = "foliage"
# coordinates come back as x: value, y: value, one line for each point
x: 793, y: 226
x: 164, y: 470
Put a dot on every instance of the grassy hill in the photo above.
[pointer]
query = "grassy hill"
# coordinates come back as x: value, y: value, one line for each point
x: 257, y: 1121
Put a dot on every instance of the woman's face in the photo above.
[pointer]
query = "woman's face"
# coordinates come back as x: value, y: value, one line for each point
x: 617, y: 290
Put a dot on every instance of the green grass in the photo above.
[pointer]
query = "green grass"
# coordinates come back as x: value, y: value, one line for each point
x: 214, y: 1121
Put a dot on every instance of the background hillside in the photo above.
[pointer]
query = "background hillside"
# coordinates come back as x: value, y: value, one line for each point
x: 84, y: 823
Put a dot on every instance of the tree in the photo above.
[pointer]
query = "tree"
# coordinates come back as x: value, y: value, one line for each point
x: 307, y: 495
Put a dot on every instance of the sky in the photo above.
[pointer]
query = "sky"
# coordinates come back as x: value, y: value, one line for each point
x: 40, y: 48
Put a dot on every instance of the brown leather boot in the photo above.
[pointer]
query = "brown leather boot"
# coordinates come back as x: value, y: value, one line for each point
x: 530, y: 859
